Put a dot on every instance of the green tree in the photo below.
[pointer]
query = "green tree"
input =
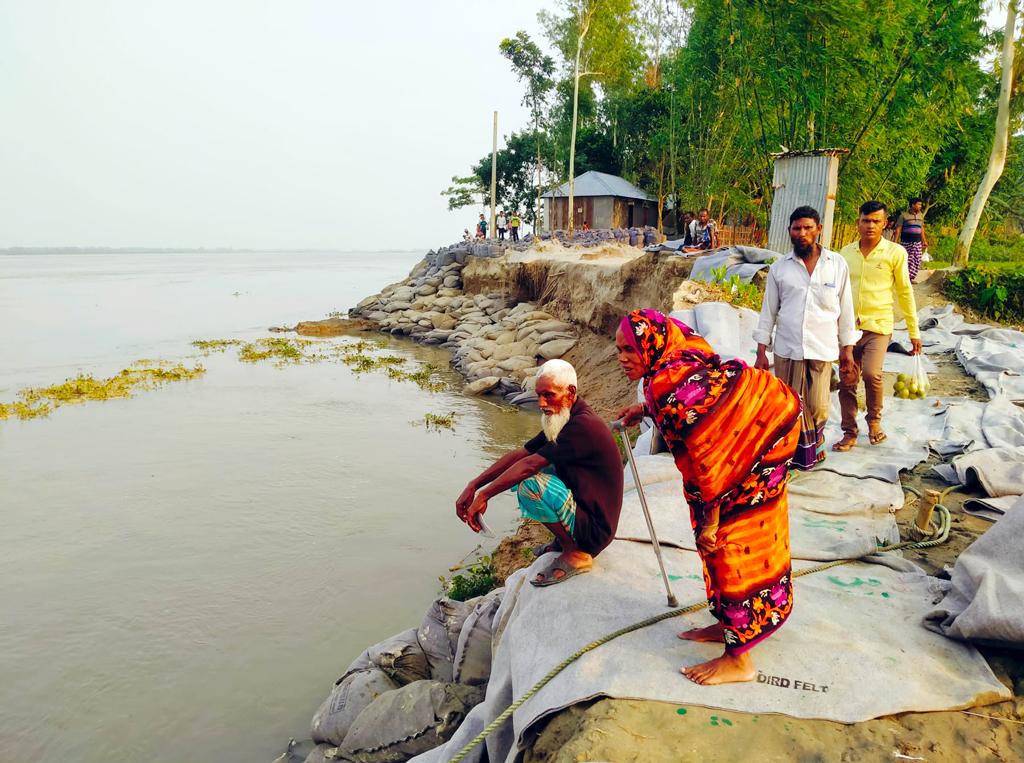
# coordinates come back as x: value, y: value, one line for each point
x: 536, y: 70
x: 1000, y: 143
x: 597, y: 39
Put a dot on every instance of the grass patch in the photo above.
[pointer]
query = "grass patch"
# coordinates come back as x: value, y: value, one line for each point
x: 996, y: 292
x: 476, y: 580
x: 35, y: 402
x: 988, y: 250
x: 735, y: 290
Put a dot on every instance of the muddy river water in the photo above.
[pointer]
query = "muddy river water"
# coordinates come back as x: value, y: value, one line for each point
x: 183, y: 574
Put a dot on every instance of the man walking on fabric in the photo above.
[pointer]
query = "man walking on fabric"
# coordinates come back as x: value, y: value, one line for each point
x: 878, y: 270
x: 808, y: 304
x: 568, y: 477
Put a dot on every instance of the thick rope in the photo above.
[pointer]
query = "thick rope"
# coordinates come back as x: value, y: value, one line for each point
x: 941, y: 537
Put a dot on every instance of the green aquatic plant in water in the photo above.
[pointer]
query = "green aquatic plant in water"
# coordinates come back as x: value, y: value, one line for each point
x: 34, y: 402
x: 437, y: 422
x: 207, y: 346
x: 278, y: 349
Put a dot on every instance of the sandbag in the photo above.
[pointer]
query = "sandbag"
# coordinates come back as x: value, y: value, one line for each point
x: 408, y: 721
x: 400, y: 656
x: 472, y: 663
x: 319, y: 754
x: 438, y: 634
x: 355, y: 692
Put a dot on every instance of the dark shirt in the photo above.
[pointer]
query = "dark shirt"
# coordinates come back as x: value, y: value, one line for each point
x: 587, y: 460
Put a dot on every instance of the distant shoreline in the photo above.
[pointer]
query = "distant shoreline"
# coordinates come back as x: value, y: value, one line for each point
x: 183, y: 250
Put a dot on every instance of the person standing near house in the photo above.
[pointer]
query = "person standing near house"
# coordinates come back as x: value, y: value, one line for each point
x: 481, y: 227
x: 513, y: 226
x: 910, y: 233
x: 499, y: 223
x: 878, y: 270
x: 808, y: 306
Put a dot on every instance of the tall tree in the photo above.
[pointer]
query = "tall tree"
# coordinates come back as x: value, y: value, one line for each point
x: 997, y: 159
x: 536, y: 69
x: 596, y: 38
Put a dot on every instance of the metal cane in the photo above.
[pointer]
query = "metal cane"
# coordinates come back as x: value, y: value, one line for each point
x: 619, y: 426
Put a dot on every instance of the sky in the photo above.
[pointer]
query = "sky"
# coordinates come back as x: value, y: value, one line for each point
x: 248, y: 124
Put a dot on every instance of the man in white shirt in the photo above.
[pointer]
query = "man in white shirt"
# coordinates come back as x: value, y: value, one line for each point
x: 808, y: 303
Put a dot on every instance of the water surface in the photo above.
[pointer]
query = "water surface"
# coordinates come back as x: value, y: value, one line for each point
x: 183, y: 574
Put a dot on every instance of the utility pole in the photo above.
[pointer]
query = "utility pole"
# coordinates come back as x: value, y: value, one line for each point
x: 494, y: 172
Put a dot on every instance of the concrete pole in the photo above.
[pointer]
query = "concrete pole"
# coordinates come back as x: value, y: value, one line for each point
x: 494, y: 173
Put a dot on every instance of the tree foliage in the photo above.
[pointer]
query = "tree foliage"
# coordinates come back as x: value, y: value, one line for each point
x: 689, y: 100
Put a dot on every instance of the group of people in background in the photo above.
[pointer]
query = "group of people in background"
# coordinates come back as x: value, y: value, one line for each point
x: 822, y: 306
x: 700, y: 233
x: 502, y: 223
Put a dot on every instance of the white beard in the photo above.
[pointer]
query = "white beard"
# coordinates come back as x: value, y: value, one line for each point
x: 552, y: 425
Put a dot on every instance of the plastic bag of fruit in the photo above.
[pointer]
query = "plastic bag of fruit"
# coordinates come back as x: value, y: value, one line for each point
x: 913, y: 385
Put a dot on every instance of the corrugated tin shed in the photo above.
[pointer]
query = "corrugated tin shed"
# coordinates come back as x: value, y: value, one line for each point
x: 803, y: 177
x: 599, y: 184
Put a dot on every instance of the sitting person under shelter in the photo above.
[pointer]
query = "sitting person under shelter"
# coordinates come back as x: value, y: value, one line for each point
x: 568, y: 477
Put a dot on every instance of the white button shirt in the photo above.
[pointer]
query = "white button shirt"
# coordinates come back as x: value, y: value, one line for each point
x: 811, y: 314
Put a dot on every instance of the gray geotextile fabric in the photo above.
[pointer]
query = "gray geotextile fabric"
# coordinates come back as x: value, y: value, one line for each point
x: 985, y: 597
x: 853, y: 649
x: 831, y: 516
x: 742, y: 261
x: 995, y: 357
x: 998, y: 472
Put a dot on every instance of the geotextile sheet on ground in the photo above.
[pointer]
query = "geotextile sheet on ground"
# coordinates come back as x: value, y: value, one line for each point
x: 831, y: 516
x: 853, y: 649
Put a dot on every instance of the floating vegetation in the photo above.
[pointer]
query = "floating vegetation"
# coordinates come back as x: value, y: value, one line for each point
x: 362, y: 356
x: 146, y: 374
x: 437, y: 422
x: 282, y: 351
x: 208, y: 346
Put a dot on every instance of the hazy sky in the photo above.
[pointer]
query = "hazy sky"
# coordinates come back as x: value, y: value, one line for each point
x: 296, y: 123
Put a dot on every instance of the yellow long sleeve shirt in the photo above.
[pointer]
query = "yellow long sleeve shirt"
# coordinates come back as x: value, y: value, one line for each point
x: 876, y: 279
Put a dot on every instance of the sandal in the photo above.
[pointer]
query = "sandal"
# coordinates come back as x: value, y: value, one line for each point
x: 549, y: 571
x: 546, y: 548
x: 845, y: 444
x: 876, y: 436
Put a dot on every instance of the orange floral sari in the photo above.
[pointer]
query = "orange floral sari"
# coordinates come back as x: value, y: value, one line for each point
x: 732, y: 430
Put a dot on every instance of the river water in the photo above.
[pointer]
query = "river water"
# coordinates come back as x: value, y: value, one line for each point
x: 183, y: 574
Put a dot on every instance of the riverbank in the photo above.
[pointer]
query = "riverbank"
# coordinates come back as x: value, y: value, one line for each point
x: 495, y: 314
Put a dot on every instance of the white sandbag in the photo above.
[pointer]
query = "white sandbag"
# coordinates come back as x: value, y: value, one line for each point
x: 349, y: 698
x: 408, y: 721
x: 985, y: 601
x: 438, y: 634
x: 319, y: 754
x: 400, y: 656
x: 473, y: 654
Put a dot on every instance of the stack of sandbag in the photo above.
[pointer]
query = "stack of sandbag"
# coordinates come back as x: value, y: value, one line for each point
x: 409, y: 693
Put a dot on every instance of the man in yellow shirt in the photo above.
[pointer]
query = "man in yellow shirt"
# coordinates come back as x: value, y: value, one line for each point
x: 878, y: 271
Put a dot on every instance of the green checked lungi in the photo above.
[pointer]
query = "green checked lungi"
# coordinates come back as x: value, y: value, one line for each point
x: 545, y: 498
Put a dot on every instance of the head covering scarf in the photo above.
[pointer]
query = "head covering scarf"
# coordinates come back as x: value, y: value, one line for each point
x: 657, y: 338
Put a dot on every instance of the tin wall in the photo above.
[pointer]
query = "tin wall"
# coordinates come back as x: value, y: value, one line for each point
x: 801, y: 180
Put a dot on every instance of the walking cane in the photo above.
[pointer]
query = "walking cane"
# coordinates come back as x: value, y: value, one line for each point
x: 619, y: 426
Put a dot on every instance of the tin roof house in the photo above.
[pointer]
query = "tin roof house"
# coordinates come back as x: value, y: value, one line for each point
x: 602, y: 201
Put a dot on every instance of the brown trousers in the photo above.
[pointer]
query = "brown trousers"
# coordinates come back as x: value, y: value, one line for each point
x: 868, y: 357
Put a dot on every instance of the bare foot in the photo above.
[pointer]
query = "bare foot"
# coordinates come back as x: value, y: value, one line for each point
x: 848, y: 441
x: 722, y: 670
x: 574, y: 560
x: 713, y: 633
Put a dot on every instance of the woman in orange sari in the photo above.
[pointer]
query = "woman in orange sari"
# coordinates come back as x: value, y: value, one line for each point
x: 732, y: 430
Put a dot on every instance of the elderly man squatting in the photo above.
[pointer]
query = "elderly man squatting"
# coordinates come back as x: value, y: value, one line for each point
x: 568, y: 477
x: 808, y: 304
